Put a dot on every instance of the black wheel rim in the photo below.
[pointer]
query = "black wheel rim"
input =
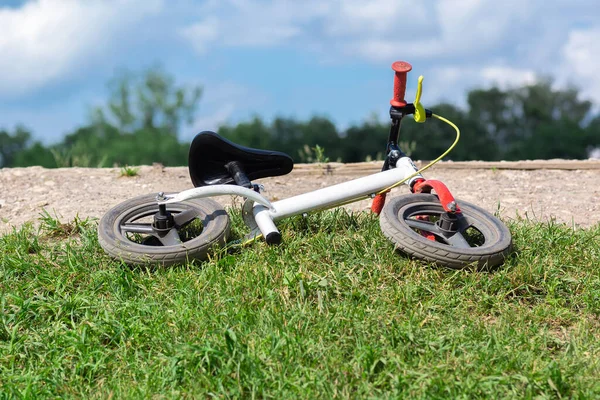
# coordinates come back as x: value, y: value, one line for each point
x: 472, y: 230
x: 135, y: 226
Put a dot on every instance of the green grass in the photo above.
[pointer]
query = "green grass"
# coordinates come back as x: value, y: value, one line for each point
x: 332, y: 313
x: 128, y: 171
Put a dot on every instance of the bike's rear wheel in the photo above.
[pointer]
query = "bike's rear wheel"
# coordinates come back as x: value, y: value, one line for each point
x: 419, y: 226
x: 127, y: 232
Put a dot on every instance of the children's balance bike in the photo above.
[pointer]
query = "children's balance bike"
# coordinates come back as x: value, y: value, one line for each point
x: 428, y: 224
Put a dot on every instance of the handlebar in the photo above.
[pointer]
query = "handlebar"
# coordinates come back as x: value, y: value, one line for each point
x: 401, y: 69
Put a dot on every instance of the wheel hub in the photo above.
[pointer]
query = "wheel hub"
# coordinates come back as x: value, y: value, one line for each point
x: 163, y: 220
x: 448, y: 223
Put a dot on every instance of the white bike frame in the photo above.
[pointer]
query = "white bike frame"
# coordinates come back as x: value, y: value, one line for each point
x: 265, y: 213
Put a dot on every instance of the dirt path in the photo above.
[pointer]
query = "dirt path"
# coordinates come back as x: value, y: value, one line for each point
x: 568, y: 191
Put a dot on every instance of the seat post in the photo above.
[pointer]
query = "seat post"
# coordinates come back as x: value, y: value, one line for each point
x: 238, y: 174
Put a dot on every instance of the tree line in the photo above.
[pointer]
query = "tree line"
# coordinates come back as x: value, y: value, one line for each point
x: 139, y: 125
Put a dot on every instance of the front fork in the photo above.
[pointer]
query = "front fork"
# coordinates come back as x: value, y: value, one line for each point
x: 394, y: 153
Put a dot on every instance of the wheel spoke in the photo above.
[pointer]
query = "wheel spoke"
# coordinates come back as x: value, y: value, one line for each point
x: 422, y: 225
x: 465, y: 222
x: 138, y: 228
x: 171, y: 238
x: 458, y: 240
x: 185, y: 217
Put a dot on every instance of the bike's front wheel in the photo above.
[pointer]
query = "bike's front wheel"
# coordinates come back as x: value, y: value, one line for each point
x: 129, y: 232
x: 419, y: 226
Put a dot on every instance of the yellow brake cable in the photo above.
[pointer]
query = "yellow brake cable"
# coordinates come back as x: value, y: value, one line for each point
x: 419, y: 116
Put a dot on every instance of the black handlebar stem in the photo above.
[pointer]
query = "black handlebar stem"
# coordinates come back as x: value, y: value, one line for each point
x: 393, y: 152
x: 396, y: 114
x: 400, y: 112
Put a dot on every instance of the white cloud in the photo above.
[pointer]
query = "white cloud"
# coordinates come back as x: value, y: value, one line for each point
x: 44, y: 40
x: 467, y: 26
x: 445, y: 29
x: 374, y: 18
x: 505, y: 77
x: 449, y: 83
x: 251, y: 23
x: 581, y: 60
x: 201, y: 34
x: 374, y: 30
x: 352, y: 26
x: 224, y: 103
x: 467, y: 42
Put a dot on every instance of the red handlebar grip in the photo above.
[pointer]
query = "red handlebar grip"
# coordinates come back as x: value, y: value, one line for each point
x: 401, y: 68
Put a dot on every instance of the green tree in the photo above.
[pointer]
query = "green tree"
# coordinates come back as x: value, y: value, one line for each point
x: 320, y: 131
x: 534, y: 121
x: 593, y: 135
x: 254, y: 133
x: 11, y: 144
x: 144, y: 112
x: 367, y: 140
x: 150, y: 100
x: 287, y: 135
x: 35, y: 154
x: 138, y: 125
x: 434, y: 137
x: 495, y: 112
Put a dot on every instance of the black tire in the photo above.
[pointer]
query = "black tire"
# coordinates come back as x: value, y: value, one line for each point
x: 484, y: 240
x: 125, y: 232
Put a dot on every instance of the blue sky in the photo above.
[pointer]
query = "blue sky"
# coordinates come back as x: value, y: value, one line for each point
x: 289, y: 58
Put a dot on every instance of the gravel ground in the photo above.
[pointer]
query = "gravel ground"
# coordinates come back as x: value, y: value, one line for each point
x: 569, y: 196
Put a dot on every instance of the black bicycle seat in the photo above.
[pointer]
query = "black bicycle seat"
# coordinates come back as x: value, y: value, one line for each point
x: 210, y: 153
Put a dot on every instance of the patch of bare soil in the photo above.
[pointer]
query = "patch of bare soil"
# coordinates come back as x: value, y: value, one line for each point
x: 568, y: 191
